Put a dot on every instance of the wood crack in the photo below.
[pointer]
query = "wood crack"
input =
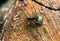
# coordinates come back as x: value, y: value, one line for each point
x: 58, y: 9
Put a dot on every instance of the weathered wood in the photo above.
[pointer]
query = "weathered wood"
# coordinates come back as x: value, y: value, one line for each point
x: 17, y: 29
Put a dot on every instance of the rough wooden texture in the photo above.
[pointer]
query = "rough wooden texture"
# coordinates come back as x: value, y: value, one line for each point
x: 17, y: 30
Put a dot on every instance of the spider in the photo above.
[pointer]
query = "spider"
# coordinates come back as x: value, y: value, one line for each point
x: 34, y: 21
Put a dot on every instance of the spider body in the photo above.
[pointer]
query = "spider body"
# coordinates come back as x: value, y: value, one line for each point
x: 34, y: 21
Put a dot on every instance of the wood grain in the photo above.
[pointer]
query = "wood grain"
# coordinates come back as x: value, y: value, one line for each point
x: 17, y: 29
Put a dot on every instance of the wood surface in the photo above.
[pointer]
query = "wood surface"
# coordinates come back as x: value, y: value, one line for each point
x: 17, y: 29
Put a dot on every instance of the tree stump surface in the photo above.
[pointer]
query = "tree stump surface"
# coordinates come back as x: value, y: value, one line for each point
x: 17, y: 29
